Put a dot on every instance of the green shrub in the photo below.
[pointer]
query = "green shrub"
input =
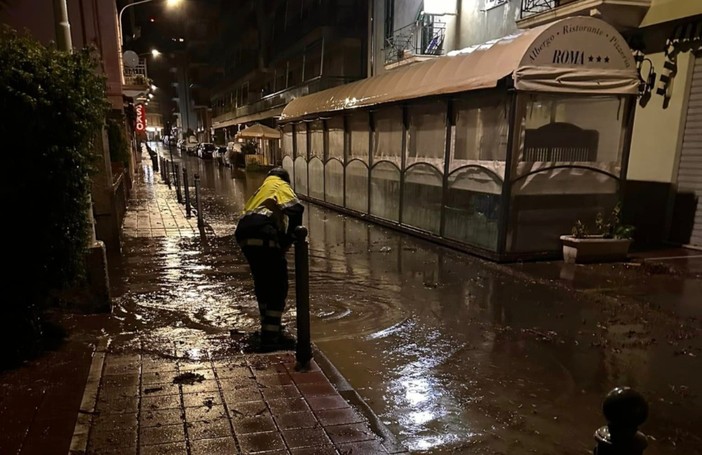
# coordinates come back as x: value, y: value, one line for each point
x: 55, y: 107
x: 119, y: 143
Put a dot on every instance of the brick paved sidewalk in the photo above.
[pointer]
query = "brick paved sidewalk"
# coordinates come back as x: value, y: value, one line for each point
x: 247, y: 404
x: 137, y: 403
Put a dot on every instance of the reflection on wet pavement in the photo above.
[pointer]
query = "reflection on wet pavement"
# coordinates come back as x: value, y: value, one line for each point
x: 455, y: 354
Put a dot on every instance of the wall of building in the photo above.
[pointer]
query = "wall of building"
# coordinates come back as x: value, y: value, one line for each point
x: 90, y: 24
x: 658, y: 129
x: 474, y: 24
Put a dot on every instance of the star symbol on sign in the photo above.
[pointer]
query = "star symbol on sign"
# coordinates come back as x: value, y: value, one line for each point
x: 606, y: 59
x: 599, y: 59
x: 591, y: 58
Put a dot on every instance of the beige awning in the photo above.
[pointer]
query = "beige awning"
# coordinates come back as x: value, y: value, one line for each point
x: 270, y: 113
x: 576, y: 55
x: 258, y: 131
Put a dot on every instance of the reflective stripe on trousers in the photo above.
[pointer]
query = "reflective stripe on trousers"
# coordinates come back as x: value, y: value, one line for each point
x: 269, y: 269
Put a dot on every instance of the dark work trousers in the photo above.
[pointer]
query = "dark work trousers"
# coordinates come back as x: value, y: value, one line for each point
x: 269, y: 269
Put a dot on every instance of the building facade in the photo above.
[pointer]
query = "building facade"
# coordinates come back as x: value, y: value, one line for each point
x: 664, y: 171
x: 276, y: 51
x: 270, y: 54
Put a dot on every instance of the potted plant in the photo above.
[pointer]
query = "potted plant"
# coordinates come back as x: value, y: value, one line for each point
x: 610, y: 243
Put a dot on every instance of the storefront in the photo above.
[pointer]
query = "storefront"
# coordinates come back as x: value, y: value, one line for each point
x: 496, y: 149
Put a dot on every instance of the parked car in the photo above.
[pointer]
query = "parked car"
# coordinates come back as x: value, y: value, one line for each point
x: 205, y: 150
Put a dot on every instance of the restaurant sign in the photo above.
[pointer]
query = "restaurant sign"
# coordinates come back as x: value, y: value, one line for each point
x: 140, y: 117
x: 580, y: 42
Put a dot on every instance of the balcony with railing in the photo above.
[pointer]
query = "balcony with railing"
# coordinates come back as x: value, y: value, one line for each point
x: 622, y: 14
x: 136, y: 79
x: 418, y: 41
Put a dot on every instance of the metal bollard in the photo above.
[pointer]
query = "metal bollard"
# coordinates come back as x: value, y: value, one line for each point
x: 187, y: 192
x: 176, y: 173
x: 174, y: 170
x: 167, y: 174
x: 154, y: 162
x: 625, y: 410
x: 303, y: 348
x: 200, y: 223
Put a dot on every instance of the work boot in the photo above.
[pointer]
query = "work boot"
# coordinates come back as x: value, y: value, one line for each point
x: 276, y: 342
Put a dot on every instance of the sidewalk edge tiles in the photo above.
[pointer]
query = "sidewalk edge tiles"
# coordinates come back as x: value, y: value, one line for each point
x: 346, y: 391
x: 79, y: 441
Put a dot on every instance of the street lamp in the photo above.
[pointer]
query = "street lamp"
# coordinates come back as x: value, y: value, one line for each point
x: 121, y: 36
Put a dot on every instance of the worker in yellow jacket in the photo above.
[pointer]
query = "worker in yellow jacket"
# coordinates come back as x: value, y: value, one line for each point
x: 265, y: 233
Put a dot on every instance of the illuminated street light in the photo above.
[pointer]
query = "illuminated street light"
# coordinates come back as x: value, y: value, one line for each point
x: 153, y: 87
x: 169, y: 3
x: 155, y: 52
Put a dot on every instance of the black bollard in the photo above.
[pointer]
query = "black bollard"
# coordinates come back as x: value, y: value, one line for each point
x: 154, y: 161
x: 187, y: 192
x: 625, y: 410
x: 174, y: 171
x: 176, y: 174
x: 303, y: 349
x: 200, y: 222
x: 167, y: 174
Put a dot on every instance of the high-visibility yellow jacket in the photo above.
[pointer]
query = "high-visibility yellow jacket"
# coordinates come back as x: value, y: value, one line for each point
x: 271, y: 214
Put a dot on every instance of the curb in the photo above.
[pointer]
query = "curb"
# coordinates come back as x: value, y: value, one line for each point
x: 79, y: 441
x: 349, y: 394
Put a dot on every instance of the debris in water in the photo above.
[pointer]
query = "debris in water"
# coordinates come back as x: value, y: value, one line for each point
x: 188, y: 378
x: 152, y: 390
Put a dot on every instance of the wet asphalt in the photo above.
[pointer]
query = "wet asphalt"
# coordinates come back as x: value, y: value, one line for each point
x: 455, y: 354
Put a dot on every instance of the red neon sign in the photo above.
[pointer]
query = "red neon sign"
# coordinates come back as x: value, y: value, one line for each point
x: 140, y: 117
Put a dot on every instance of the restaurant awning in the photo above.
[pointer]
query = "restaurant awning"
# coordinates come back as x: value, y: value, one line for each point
x: 574, y: 55
x: 259, y: 131
x: 269, y: 113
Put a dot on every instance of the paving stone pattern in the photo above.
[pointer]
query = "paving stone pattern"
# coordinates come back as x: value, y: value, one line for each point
x: 252, y: 404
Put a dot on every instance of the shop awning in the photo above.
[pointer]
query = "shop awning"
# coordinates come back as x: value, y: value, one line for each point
x: 573, y: 55
x: 259, y: 131
x: 270, y: 113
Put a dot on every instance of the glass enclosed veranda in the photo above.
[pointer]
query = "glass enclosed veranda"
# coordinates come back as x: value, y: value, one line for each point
x: 501, y: 172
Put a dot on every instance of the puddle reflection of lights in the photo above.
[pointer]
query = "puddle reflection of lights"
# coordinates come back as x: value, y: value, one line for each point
x: 173, y: 269
x: 417, y: 393
x: 194, y: 353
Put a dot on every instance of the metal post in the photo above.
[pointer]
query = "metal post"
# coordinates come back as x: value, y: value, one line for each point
x: 154, y: 162
x: 174, y: 170
x: 303, y: 349
x: 625, y: 410
x: 200, y: 223
x: 166, y: 174
x: 187, y: 192
x: 179, y: 194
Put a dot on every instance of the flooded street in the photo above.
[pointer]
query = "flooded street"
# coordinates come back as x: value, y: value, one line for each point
x: 455, y: 354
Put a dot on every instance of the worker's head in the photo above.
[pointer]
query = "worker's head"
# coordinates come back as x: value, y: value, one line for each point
x: 280, y: 172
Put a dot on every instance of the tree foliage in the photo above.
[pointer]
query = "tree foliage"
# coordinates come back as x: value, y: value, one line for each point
x: 118, y: 140
x: 54, y: 109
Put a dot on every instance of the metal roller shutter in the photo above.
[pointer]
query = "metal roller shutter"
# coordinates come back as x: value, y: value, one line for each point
x: 690, y: 169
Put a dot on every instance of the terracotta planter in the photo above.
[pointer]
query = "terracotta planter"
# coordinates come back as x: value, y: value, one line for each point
x: 594, y: 249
